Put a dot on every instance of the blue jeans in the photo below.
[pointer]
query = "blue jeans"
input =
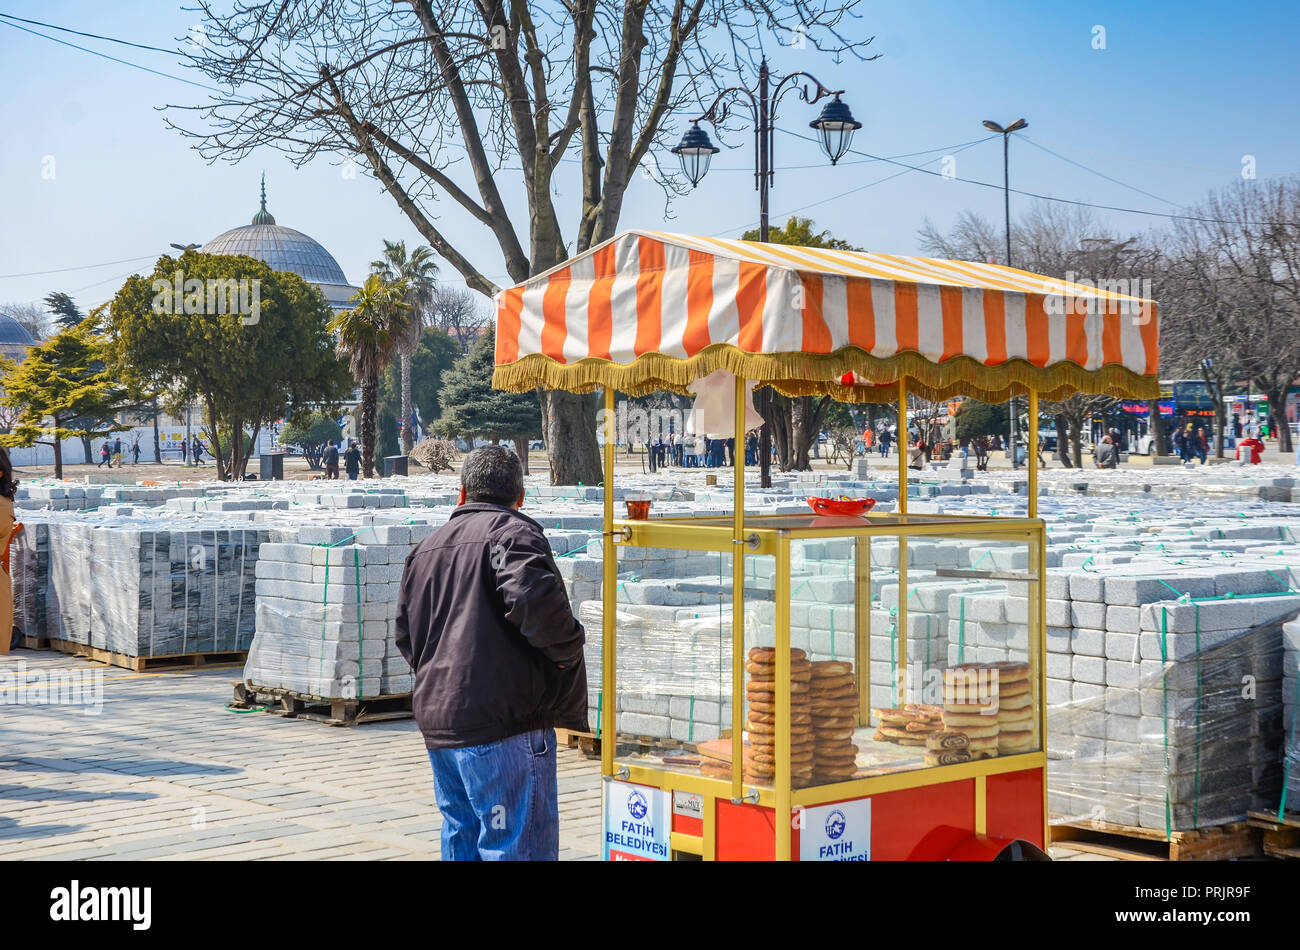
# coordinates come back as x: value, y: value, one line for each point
x: 499, y: 801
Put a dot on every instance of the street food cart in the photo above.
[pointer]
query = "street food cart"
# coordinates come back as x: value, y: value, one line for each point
x: 803, y: 709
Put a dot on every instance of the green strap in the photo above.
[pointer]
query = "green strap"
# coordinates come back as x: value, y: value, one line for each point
x: 690, y: 718
x: 1196, y: 803
x: 1164, y: 659
x: 1294, y: 750
x: 320, y: 667
x: 961, y: 632
x: 893, y: 653
x: 600, y: 706
x: 361, y: 627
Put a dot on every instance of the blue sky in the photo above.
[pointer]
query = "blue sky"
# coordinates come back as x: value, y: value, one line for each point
x: 1179, y: 95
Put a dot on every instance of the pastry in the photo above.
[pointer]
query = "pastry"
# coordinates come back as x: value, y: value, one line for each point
x: 947, y: 740
x: 947, y: 757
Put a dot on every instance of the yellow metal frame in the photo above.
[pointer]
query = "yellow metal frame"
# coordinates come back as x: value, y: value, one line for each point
x: 766, y: 535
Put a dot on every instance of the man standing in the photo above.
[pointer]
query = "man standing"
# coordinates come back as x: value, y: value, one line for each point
x: 484, y: 621
x: 1106, y: 455
x: 885, y: 439
x: 330, y: 456
x: 352, y: 460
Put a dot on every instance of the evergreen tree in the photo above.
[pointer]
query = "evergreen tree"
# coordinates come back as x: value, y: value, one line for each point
x: 245, y: 370
x: 436, y: 354
x: 66, y: 313
x: 472, y: 409
x: 59, y: 386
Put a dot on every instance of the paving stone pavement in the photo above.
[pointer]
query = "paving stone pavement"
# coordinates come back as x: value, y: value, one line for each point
x: 165, y: 772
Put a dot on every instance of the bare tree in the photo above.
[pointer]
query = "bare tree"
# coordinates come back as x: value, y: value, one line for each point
x: 461, y: 313
x: 439, y: 99
x: 1056, y: 241
x: 1238, y: 272
x: 972, y: 238
x: 34, y: 319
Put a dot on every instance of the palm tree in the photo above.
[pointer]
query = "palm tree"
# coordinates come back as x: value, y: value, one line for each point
x: 367, y: 338
x: 419, y: 271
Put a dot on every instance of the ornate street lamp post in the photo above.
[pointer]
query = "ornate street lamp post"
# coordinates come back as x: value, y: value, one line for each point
x: 835, y: 127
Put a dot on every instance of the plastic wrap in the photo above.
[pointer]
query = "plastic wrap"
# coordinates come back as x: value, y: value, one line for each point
x: 1185, y: 731
x: 145, y: 589
x: 673, y: 617
x: 29, y: 567
x: 1290, y: 800
x: 325, y: 617
x: 674, y: 659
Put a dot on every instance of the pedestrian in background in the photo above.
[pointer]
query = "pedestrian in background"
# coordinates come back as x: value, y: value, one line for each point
x: 104, y: 456
x: 1105, y: 455
x: 916, y: 456
x: 330, y: 457
x: 352, y: 460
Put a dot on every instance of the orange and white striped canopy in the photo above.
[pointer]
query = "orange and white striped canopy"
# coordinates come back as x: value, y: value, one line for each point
x: 649, y: 310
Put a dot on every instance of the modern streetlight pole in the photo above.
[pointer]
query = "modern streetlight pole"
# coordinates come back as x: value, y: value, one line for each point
x: 1015, y: 126
x: 835, y: 127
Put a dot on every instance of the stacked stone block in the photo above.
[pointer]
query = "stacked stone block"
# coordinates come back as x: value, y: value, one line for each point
x: 326, y: 611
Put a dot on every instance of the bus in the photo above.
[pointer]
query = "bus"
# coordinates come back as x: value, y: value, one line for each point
x: 1182, y: 401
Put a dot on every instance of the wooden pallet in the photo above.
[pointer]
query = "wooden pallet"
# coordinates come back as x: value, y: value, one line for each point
x: 1126, y: 842
x: 588, y: 743
x: 147, y: 664
x: 34, y: 643
x: 332, y: 712
x: 1281, y: 837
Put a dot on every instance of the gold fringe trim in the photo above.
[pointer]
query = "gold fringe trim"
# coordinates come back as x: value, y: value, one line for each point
x: 805, y: 374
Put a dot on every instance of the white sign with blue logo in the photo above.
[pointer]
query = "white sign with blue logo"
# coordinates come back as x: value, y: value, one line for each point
x: 638, y: 821
x: 839, y: 832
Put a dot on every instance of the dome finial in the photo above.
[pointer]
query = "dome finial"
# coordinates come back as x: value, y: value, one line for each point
x: 263, y: 216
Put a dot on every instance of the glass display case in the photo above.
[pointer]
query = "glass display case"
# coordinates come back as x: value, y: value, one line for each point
x: 874, y: 654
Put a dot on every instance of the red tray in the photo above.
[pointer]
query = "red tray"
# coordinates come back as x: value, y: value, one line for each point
x: 842, y: 505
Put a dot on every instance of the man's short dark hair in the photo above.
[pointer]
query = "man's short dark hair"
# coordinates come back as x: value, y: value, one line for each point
x: 492, y: 474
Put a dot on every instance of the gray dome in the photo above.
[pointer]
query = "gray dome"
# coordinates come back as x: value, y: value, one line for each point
x: 283, y: 248
x: 13, y: 333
